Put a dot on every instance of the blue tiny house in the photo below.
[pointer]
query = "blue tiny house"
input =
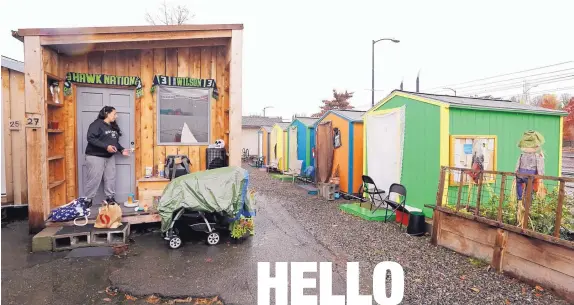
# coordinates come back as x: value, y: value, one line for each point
x: 301, y: 132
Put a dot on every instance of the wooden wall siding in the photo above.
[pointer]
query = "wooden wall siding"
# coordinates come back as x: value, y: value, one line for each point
x: 200, y: 62
x: 13, y: 103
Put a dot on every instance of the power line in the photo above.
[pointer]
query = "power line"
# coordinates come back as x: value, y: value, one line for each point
x: 491, y: 77
x: 521, y: 77
x: 544, y: 91
x: 540, y: 81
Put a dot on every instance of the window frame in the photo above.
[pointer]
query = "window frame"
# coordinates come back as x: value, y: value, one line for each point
x: 453, y: 139
x: 158, y: 115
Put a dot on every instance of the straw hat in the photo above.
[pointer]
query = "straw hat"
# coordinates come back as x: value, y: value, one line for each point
x: 531, y: 141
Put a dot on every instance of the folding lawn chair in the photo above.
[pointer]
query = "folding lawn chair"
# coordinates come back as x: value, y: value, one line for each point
x: 295, y: 170
x: 373, y: 192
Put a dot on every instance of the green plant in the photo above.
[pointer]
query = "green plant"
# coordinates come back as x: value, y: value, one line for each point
x: 242, y: 226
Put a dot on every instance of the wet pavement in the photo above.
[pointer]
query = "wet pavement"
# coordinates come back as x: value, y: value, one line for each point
x: 227, y: 270
x: 290, y: 226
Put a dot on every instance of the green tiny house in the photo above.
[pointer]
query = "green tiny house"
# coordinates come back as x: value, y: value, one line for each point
x: 440, y: 130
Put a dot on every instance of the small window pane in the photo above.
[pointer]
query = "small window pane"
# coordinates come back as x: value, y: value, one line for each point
x: 183, y: 116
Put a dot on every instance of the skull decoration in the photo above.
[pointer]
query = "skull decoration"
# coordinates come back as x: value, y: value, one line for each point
x: 55, y: 91
x: 219, y: 143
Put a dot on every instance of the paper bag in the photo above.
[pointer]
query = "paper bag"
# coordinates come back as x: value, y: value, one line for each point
x: 109, y: 216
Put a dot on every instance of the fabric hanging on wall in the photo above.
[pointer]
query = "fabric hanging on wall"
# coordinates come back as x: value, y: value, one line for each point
x: 385, y: 142
x: 102, y: 79
x: 173, y: 81
x: 325, y: 152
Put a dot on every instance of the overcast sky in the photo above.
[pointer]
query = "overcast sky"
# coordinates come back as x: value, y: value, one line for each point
x: 296, y: 52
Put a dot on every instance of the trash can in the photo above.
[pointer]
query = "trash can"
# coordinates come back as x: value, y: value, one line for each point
x: 416, y: 225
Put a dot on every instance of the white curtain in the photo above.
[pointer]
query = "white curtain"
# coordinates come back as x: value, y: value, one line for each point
x: 385, y: 137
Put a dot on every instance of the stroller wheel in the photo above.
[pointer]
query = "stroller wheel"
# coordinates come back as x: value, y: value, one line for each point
x: 175, y: 242
x: 213, y: 238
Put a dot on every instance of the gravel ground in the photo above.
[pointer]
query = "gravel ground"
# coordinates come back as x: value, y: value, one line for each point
x: 433, y: 275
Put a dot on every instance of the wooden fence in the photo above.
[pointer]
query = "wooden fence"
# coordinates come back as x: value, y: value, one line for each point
x: 531, y: 239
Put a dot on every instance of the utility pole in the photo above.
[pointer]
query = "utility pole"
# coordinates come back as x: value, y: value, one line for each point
x: 525, y: 93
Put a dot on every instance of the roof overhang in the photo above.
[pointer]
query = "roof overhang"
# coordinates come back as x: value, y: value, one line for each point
x: 455, y: 106
x: 89, y: 39
x: 410, y: 96
x: 339, y: 115
x: 12, y: 64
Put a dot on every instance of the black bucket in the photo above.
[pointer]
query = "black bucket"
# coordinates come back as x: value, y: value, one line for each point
x: 416, y: 225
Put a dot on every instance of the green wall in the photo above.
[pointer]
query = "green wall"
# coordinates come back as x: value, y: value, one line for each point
x: 509, y: 127
x: 421, y: 160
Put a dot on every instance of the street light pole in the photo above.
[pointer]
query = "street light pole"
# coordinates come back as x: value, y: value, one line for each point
x: 373, y: 67
x: 451, y: 90
x: 266, y: 108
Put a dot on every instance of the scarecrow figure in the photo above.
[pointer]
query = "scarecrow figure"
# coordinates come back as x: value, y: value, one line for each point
x: 531, y: 160
x: 477, y: 165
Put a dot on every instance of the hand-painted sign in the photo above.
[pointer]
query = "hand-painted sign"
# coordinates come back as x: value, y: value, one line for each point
x: 161, y: 80
x: 102, y: 79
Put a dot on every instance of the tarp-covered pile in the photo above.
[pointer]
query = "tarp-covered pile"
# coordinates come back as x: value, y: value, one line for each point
x: 222, y: 190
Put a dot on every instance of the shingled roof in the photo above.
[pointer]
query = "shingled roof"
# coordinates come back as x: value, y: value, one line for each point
x: 258, y: 121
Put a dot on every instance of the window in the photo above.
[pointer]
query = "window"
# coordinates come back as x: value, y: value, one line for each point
x: 466, y: 149
x: 183, y: 116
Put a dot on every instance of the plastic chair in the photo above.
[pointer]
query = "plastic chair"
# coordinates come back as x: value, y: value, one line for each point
x: 295, y: 170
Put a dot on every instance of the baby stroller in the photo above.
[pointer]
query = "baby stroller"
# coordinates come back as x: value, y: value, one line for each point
x: 212, y: 202
x: 187, y: 220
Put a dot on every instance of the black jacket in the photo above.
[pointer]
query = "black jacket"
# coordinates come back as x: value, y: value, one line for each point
x: 100, y: 135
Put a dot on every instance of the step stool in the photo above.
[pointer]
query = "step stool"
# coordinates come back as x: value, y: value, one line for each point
x: 111, y: 236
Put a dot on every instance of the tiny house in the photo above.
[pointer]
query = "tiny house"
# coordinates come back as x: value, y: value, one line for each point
x: 409, y: 136
x: 176, y: 90
x: 339, y: 149
x: 265, y: 136
x: 250, y: 136
x: 14, y: 177
x: 301, y: 140
x: 279, y: 145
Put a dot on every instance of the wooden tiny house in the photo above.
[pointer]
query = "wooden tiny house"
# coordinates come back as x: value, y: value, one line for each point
x: 199, y: 54
x: 14, y: 180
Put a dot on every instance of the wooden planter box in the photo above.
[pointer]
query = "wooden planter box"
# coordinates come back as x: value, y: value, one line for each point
x: 533, y: 257
x: 527, y: 258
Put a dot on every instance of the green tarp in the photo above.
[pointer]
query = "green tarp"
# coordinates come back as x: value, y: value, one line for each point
x: 222, y: 190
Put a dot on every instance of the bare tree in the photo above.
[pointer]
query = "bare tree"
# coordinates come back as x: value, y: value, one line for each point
x: 565, y: 98
x: 168, y: 14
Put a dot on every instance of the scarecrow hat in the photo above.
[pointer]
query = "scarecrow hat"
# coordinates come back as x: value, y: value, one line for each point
x: 531, y: 140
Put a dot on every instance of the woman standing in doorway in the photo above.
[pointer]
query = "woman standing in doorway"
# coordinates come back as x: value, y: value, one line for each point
x: 103, y: 145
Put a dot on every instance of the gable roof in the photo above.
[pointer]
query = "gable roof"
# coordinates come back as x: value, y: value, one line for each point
x: 349, y: 115
x: 258, y: 121
x: 12, y: 64
x: 471, y: 103
x: 283, y: 126
x: 309, y: 122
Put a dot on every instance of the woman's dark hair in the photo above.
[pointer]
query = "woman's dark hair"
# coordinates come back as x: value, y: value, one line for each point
x: 104, y: 114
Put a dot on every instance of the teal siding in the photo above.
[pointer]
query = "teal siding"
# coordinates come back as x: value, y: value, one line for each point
x: 421, y: 152
x: 509, y: 127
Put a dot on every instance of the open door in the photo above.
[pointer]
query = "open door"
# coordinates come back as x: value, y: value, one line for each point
x: 385, y: 136
x: 324, y: 152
